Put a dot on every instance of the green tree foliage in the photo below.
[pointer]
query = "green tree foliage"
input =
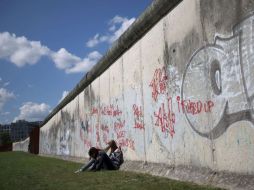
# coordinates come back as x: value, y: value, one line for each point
x: 5, y: 138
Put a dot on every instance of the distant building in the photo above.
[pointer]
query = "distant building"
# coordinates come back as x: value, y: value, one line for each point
x: 20, y: 129
x: 5, y: 129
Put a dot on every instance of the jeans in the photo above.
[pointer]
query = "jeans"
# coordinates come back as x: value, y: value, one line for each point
x: 104, y: 162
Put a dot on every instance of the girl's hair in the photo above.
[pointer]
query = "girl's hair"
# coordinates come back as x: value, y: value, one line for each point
x: 93, y: 151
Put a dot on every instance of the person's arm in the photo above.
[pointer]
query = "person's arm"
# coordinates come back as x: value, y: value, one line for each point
x: 99, y: 163
x: 107, y: 148
x: 89, y: 166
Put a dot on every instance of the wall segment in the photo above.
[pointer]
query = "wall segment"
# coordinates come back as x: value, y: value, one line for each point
x: 182, y: 94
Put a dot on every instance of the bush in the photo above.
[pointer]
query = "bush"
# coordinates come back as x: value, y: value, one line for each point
x: 5, y: 138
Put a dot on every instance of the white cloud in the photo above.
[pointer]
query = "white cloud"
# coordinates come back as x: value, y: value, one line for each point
x: 64, y: 60
x: 117, y: 20
x: 20, y: 51
x: 5, y: 96
x: 3, y: 83
x: 93, y: 41
x: 65, y: 93
x: 5, y: 113
x: 86, y: 64
x: 125, y: 24
x: 31, y: 111
x: 6, y: 84
x: 117, y: 26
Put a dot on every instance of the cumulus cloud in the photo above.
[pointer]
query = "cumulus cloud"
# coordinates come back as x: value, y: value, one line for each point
x: 85, y: 64
x: 73, y: 64
x: 123, y: 23
x: 93, y: 41
x: 31, y: 111
x: 5, y: 96
x: 21, y: 51
x: 65, y: 93
x: 117, y: 26
x: 64, y: 60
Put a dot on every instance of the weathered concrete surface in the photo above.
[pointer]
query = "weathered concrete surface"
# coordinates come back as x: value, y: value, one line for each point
x: 181, y: 95
x: 21, y: 146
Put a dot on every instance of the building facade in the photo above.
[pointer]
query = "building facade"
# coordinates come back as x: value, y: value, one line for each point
x: 19, y: 130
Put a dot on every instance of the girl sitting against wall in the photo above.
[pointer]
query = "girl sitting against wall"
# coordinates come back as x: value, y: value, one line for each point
x: 99, y: 160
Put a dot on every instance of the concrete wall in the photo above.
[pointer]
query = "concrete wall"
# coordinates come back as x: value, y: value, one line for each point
x: 181, y: 95
x: 21, y: 146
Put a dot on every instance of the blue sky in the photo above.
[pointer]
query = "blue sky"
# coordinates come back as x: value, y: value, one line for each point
x: 46, y: 46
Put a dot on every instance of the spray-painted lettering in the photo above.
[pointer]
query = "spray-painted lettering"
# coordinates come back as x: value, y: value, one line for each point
x: 194, y: 107
x: 110, y: 110
x: 165, y: 118
x: 127, y: 143
x: 159, y: 83
x: 138, y: 117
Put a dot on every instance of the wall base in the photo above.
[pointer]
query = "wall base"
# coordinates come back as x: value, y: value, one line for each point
x: 202, y: 176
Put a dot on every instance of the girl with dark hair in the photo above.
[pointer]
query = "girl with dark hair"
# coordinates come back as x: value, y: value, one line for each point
x: 100, y: 160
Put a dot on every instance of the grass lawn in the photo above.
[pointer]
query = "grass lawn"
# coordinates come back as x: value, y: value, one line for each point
x: 22, y: 171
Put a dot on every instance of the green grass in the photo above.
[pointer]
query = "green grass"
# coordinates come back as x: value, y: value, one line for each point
x: 22, y: 171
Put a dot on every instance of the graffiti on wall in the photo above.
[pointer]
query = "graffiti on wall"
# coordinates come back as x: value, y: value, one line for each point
x: 164, y: 115
x: 165, y: 118
x: 59, y: 136
x: 118, y: 125
x: 216, y: 91
x: 66, y: 126
x: 159, y: 82
x: 223, y: 73
x: 138, y: 117
x: 85, y: 131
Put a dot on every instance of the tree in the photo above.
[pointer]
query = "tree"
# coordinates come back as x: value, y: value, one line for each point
x: 5, y: 138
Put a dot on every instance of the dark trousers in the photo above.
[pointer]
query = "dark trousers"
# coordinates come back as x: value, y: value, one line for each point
x: 104, y: 162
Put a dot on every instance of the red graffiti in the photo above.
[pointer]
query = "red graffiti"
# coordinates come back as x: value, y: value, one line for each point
x: 165, y: 118
x: 138, y: 117
x: 118, y: 128
x: 94, y: 111
x: 111, y: 111
x: 127, y: 143
x: 120, y: 134
x: 105, y: 128
x: 105, y: 138
x: 194, y: 108
x: 119, y: 125
x: 97, y: 126
x: 138, y: 125
x: 159, y: 83
x: 137, y: 111
x: 87, y: 143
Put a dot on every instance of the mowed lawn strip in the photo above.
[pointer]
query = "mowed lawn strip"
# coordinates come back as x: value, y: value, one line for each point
x: 23, y: 171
